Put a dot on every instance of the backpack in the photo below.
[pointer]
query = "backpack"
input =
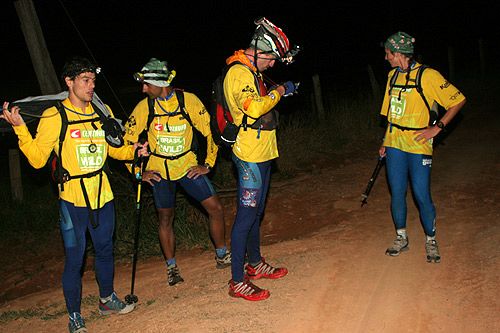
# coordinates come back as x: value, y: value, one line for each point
x: 58, y: 173
x: 36, y: 106
x: 417, y: 84
x: 224, y: 130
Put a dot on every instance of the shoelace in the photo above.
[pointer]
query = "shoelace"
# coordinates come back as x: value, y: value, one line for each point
x: 263, y: 268
x: 400, y: 241
x: 225, y: 259
x: 173, y: 272
x: 432, y: 247
x: 114, y: 302
x: 77, y: 321
x: 244, y: 288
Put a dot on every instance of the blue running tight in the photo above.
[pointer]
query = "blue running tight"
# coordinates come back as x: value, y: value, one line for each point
x: 253, y: 184
x: 400, y: 166
x: 74, y: 224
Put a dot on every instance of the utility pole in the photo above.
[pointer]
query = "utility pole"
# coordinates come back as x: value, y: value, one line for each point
x: 40, y: 57
x: 45, y: 73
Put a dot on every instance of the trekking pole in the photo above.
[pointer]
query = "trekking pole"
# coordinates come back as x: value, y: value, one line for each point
x: 364, y: 196
x: 138, y: 161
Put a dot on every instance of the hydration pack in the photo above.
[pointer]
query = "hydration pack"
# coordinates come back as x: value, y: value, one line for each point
x: 182, y: 111
x: 417, y: 84
x: 224, y: 130
x: 112, y: 127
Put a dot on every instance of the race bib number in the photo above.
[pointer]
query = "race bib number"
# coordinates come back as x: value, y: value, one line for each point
x: 398, y: 106
x: 171, y: 145
x: 90, y: 156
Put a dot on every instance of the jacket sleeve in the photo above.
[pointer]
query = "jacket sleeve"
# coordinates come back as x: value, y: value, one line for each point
x: 137, y: 122
x: 437, y: 88
x: 134, y: 126
x: 385, y: 104
x: 37, y: 150
x: 244, y: 95
x: 201, y: 120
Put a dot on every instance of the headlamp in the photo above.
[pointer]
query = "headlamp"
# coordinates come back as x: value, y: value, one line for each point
x: 154, y: 75
x: 288, y: 58
x: 91, y: 69
x: 139, y: 77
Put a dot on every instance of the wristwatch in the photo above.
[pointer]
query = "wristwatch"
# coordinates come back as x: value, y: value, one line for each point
x: 206, y: 165
x: 440, y: 124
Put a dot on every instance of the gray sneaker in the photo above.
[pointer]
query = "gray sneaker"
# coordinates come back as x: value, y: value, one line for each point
x: 400, y: 245
x: 113, y: 304
x: 224, y: 261
x: 432, y: 250
x: 76, y: 323
x: 174, y: 276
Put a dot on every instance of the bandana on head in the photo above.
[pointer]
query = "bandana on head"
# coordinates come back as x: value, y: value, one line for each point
x: 155, y: 72
x: 400, y: 42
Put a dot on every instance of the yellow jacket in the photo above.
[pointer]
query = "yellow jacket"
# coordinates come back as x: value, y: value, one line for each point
x: 76, y: 157
x: 172, y: 135
x: 243, y: 97
x: 405, y: 107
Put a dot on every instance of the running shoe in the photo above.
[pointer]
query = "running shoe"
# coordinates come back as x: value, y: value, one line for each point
x: 174, y: 276
x: 264, y: 270
x: 76, y: 323
x: 399, y: 245
x: 223, y: 262
x: 432, y: 250
x: 247, y: 290
x: 113, y: 304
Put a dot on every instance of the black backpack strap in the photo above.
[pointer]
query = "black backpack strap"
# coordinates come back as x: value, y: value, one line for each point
x: 151, y: 113
x: 392, y: 81
x: 182, y: 106
x: 62, y: 135
x: 418, y: 82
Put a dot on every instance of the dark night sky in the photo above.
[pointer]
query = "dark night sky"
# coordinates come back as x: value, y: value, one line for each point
x: 195, y: 38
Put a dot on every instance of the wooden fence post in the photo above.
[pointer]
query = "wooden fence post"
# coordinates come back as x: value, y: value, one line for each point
x: 16, y: 183
x: 375, y: 86
x: 451, y: 63
x: 482, y: 58
x: 318, y: 98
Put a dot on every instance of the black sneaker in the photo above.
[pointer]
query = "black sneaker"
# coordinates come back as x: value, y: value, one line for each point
x: 174, y: 276
x: 223, y: 262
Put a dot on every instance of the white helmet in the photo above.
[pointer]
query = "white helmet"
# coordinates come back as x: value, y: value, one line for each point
x: 271, y: 39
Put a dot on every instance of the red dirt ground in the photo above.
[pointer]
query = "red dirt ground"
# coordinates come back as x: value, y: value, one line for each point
x: 339, y: 280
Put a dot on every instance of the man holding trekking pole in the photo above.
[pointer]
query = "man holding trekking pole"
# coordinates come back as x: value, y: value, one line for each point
x: 169, y: 118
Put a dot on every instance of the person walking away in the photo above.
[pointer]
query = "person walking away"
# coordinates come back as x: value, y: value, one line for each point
x: 408, y: 140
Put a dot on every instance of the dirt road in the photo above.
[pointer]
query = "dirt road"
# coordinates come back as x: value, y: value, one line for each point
x: 339, y: 280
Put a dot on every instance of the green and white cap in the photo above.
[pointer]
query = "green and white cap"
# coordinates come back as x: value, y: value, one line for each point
x: 155, y: 72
